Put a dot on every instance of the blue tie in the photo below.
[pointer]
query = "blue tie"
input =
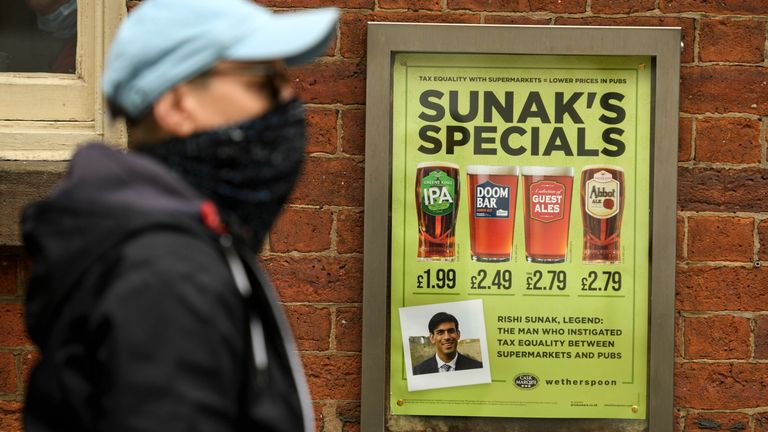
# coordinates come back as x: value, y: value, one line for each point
x: 446, y: 367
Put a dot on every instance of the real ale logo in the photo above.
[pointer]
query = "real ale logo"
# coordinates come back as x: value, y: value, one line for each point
x: 491, y: 200
x: 547, y: 201
x: 602, y: 195
x: 437, y: 193
x: 526, y: 381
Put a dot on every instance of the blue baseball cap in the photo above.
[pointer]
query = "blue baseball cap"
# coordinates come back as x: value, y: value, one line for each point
x: 165, y: 42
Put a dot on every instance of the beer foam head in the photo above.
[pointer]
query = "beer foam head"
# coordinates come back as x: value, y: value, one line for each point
x: 611, y: 167
x: 437, y: 164
x: 492, y: 170
x: 561, y: 171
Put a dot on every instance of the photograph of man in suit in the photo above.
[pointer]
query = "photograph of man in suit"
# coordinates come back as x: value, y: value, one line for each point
x: 444, y: 334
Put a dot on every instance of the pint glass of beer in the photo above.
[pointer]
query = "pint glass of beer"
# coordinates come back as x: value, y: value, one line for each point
x: 492, y: 197
x: 602, y: 205
x: 547, y: 207
x: 437, y: 205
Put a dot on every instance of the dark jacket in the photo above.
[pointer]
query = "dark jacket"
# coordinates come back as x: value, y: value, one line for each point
x: 143, y: 315
x: 463, y: 362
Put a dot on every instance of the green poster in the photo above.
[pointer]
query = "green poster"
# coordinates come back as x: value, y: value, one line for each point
x: 520, y: 235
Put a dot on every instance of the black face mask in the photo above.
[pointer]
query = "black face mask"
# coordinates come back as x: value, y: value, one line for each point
x: 247, y: 169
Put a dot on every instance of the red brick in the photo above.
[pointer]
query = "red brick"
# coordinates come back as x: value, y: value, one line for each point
x: 719, y: 386
x: 687, y: 24
x: 730, y: 190
x: 722, y: 288
x: 761, y: 337
x: 434, y: 5
x: 7, y: 373
x: 10, y: 416
x: 516, y: 19
x: 12, y: 330
x: 745, y: 7
x: 319, y: 408
x: 348, y: 4
x: 707, y: 421
x: 350, y: 427
x: 490, y: 5
x: 622, y: 6
x: 349, y: 415
x: 301, y: 230
x: 353, y: 131
x: 331, y: 82
x: 28, y: 361
x: 321, y: 130
x: 712, y: 238
x: 354, y: 26
x: 678, y: 336
x: 679, y: 418
x: 349, y: 232
x: 685, y: 134
x: 326, y: 181
x: 9, y: 275
x: 559, y: 6
x: 718, y: 337
x: 762, y: 233
x: 725, y: 40
x: 710, y: 89
x: 761, y: 422
x: 680, y: 239
x: 349, y: 329
x: 311, y: 327
x: 333, y: 377
x: 729, y: 140
x: 318, y: 279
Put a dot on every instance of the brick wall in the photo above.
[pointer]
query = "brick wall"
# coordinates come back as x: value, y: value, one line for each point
x: 315, y: 251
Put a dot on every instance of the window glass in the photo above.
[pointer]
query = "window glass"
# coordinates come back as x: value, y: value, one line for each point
x: 38, y: 35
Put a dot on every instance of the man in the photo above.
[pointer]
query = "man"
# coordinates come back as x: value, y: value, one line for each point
x: 444, y: 334
x: 143, y: 298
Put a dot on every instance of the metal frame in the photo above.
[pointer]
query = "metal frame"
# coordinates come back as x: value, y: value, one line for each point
x: 663, y: 44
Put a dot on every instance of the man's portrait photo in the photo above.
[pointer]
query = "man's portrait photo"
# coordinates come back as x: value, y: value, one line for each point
x: 444, y: 345
x: 444, y: 334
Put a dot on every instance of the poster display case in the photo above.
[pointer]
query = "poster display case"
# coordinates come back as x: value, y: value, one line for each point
x: 527, y: 267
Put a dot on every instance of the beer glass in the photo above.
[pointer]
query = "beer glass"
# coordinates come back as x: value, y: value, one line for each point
x: 547, y: 207
x: 492, y: 198
x: 437, y: 204
x: 602, y: 206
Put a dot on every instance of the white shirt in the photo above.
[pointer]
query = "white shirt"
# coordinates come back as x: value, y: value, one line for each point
x: 451, y: 363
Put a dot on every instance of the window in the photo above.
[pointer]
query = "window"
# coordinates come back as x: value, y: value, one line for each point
x: 51, y: 58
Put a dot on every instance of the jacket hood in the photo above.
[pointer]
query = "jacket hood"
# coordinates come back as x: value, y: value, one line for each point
x: 105, y: 196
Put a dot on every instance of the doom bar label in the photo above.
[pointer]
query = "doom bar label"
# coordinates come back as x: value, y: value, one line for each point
x: 602, y: 195
x: 547, y: 201
x: 491, y: 200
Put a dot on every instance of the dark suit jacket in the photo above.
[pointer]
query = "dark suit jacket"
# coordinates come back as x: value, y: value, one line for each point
x: 429, y: 365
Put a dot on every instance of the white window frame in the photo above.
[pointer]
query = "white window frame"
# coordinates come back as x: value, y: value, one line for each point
x: 45, y: 116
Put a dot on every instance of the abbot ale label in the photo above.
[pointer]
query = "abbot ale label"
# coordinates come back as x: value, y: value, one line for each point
x: 602, y: 195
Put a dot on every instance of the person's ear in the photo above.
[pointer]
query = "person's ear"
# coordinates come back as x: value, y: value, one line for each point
x: 171, y: 114
x: 432, y: 337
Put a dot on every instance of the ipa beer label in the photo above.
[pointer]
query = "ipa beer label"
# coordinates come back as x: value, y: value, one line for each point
x: 437, y: 193
x: 491, y: 200
x: 547, y: 201
x: 602, y: 195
